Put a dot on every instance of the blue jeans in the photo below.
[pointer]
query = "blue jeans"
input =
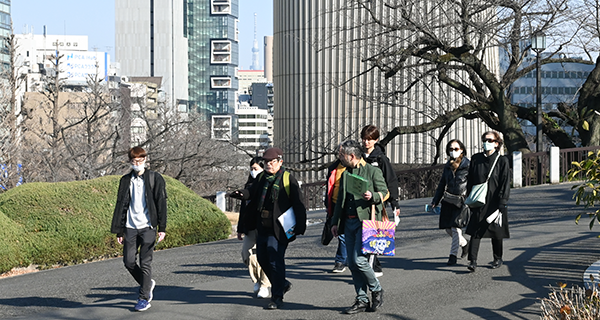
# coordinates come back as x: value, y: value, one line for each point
x: 362, y: 274
x: 271, y: 257
x: 341, y: 254
x: 144, y: 239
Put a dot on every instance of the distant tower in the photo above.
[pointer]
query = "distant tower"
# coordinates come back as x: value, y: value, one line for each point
x: 255, y: 65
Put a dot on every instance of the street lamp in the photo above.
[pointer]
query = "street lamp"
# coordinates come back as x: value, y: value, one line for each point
x: 538, y: 44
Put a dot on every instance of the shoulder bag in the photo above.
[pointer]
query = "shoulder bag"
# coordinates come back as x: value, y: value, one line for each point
x: 478, y: 193
x: 453, y: 199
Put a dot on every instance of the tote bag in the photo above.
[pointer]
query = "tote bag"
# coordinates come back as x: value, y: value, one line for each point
x: 478, y: 193
x: 378, y: 236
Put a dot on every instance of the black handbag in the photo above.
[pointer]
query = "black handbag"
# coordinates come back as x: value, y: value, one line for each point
x: 453, y: 199
x: 461, y: 220
x: 326, y: 236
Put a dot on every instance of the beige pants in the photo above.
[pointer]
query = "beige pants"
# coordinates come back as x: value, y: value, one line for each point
x: 249, y: 257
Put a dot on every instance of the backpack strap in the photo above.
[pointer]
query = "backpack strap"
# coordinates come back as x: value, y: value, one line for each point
x: 286, y: 182
x: 151, y: 177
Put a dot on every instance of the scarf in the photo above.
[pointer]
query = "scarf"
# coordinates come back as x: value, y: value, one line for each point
x: 270, y: 179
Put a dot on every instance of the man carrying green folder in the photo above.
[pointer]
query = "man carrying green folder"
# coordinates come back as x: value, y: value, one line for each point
x: 361, y: 187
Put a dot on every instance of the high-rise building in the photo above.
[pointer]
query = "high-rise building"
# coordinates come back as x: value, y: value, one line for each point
x: 151, y: 39
x: 192, y: 44
x: 212, y: 27
x: 5, y: 31
x: 326, y: 92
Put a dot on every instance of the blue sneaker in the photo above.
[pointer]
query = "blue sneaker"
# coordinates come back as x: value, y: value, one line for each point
x: 142, y: 305
x: 151, y: 293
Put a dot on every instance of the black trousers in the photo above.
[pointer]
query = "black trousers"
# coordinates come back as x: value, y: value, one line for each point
x: 474, y: 248
x: 270, y: 254
x: 145, y: 240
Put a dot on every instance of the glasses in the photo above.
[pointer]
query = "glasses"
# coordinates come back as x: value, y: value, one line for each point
x: 273, y: 161
x: 454, y: 149
x: 489, y: 140
x: 138, y: 160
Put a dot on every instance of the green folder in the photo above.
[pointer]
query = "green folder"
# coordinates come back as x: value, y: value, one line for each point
x: 356, y: 185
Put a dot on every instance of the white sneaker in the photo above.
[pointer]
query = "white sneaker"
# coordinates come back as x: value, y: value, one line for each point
x: 256, y: 287
x: 263, y: 293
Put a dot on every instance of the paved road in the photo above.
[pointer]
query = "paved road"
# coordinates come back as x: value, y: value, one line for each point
x: 208, y: 281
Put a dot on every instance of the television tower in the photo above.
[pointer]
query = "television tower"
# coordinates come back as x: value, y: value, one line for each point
x: 255, y: 65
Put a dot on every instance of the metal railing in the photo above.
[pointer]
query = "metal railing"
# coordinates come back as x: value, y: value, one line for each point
x: 567, y: 156
x: 530, y: 168
x: 422, y: 182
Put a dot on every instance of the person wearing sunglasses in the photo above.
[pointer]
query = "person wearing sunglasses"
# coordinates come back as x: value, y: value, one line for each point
x: 451, y: 192
x: 489, y: 220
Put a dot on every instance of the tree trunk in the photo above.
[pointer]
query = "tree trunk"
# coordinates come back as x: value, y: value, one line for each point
x: 588, y: 107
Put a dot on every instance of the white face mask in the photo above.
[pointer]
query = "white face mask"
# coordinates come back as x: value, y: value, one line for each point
x: 137, y: 168
x: 488, y: 146
x: 455, y: 154
x: 255, y: 173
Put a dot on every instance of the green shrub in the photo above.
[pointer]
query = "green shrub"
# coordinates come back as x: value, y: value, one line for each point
x: 11, y: 239
x: 69, y: 222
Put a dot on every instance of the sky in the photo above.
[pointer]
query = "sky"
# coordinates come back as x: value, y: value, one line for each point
x: 96, y: 19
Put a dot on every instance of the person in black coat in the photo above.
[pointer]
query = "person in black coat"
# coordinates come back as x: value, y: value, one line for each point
x: 269, y: 199
x: 375, y: 156
x: 140, y: 216
x: 451, y: 191
x: 257, y: 274
x: 496, y: 199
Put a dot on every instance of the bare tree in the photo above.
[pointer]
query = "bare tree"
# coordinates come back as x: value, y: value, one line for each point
x: 453, y: 47
x: 11, y: 82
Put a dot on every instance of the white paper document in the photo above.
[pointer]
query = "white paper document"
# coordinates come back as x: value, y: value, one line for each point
x: 288, y: 222
x: 495, y: 216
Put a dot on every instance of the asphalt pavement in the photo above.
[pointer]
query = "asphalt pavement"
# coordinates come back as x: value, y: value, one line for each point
x: 209, y: 281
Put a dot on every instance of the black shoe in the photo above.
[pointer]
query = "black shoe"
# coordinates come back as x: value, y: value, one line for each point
x: 497, y: 263
x: 472, y: 266
x: 357, y: 307
x: 376, y: 300
x: 451, y: 260
x: 338, y: 267
x: 275, y: 304
x: 287, y: 287
x: 465, y: 250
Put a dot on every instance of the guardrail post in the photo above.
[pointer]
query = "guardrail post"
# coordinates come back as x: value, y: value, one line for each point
x: 554, y: 165
x: 220, y: 200
x: 517, y: 169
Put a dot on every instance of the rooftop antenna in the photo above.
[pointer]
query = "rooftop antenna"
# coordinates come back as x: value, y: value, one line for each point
x: 255, y: 65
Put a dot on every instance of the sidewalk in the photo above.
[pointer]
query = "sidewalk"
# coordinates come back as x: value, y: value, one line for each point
x: 208, y: 281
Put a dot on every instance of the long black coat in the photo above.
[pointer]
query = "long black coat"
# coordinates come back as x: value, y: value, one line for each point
x: 243, y: 205
x: 455, y: 182
x: 497, y: 196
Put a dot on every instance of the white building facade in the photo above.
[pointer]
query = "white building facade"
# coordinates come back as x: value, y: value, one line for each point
x: 253, y: 128
x: 37, y: 54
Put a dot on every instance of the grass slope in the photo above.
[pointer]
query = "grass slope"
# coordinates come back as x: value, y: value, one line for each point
x: 69, y: 222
